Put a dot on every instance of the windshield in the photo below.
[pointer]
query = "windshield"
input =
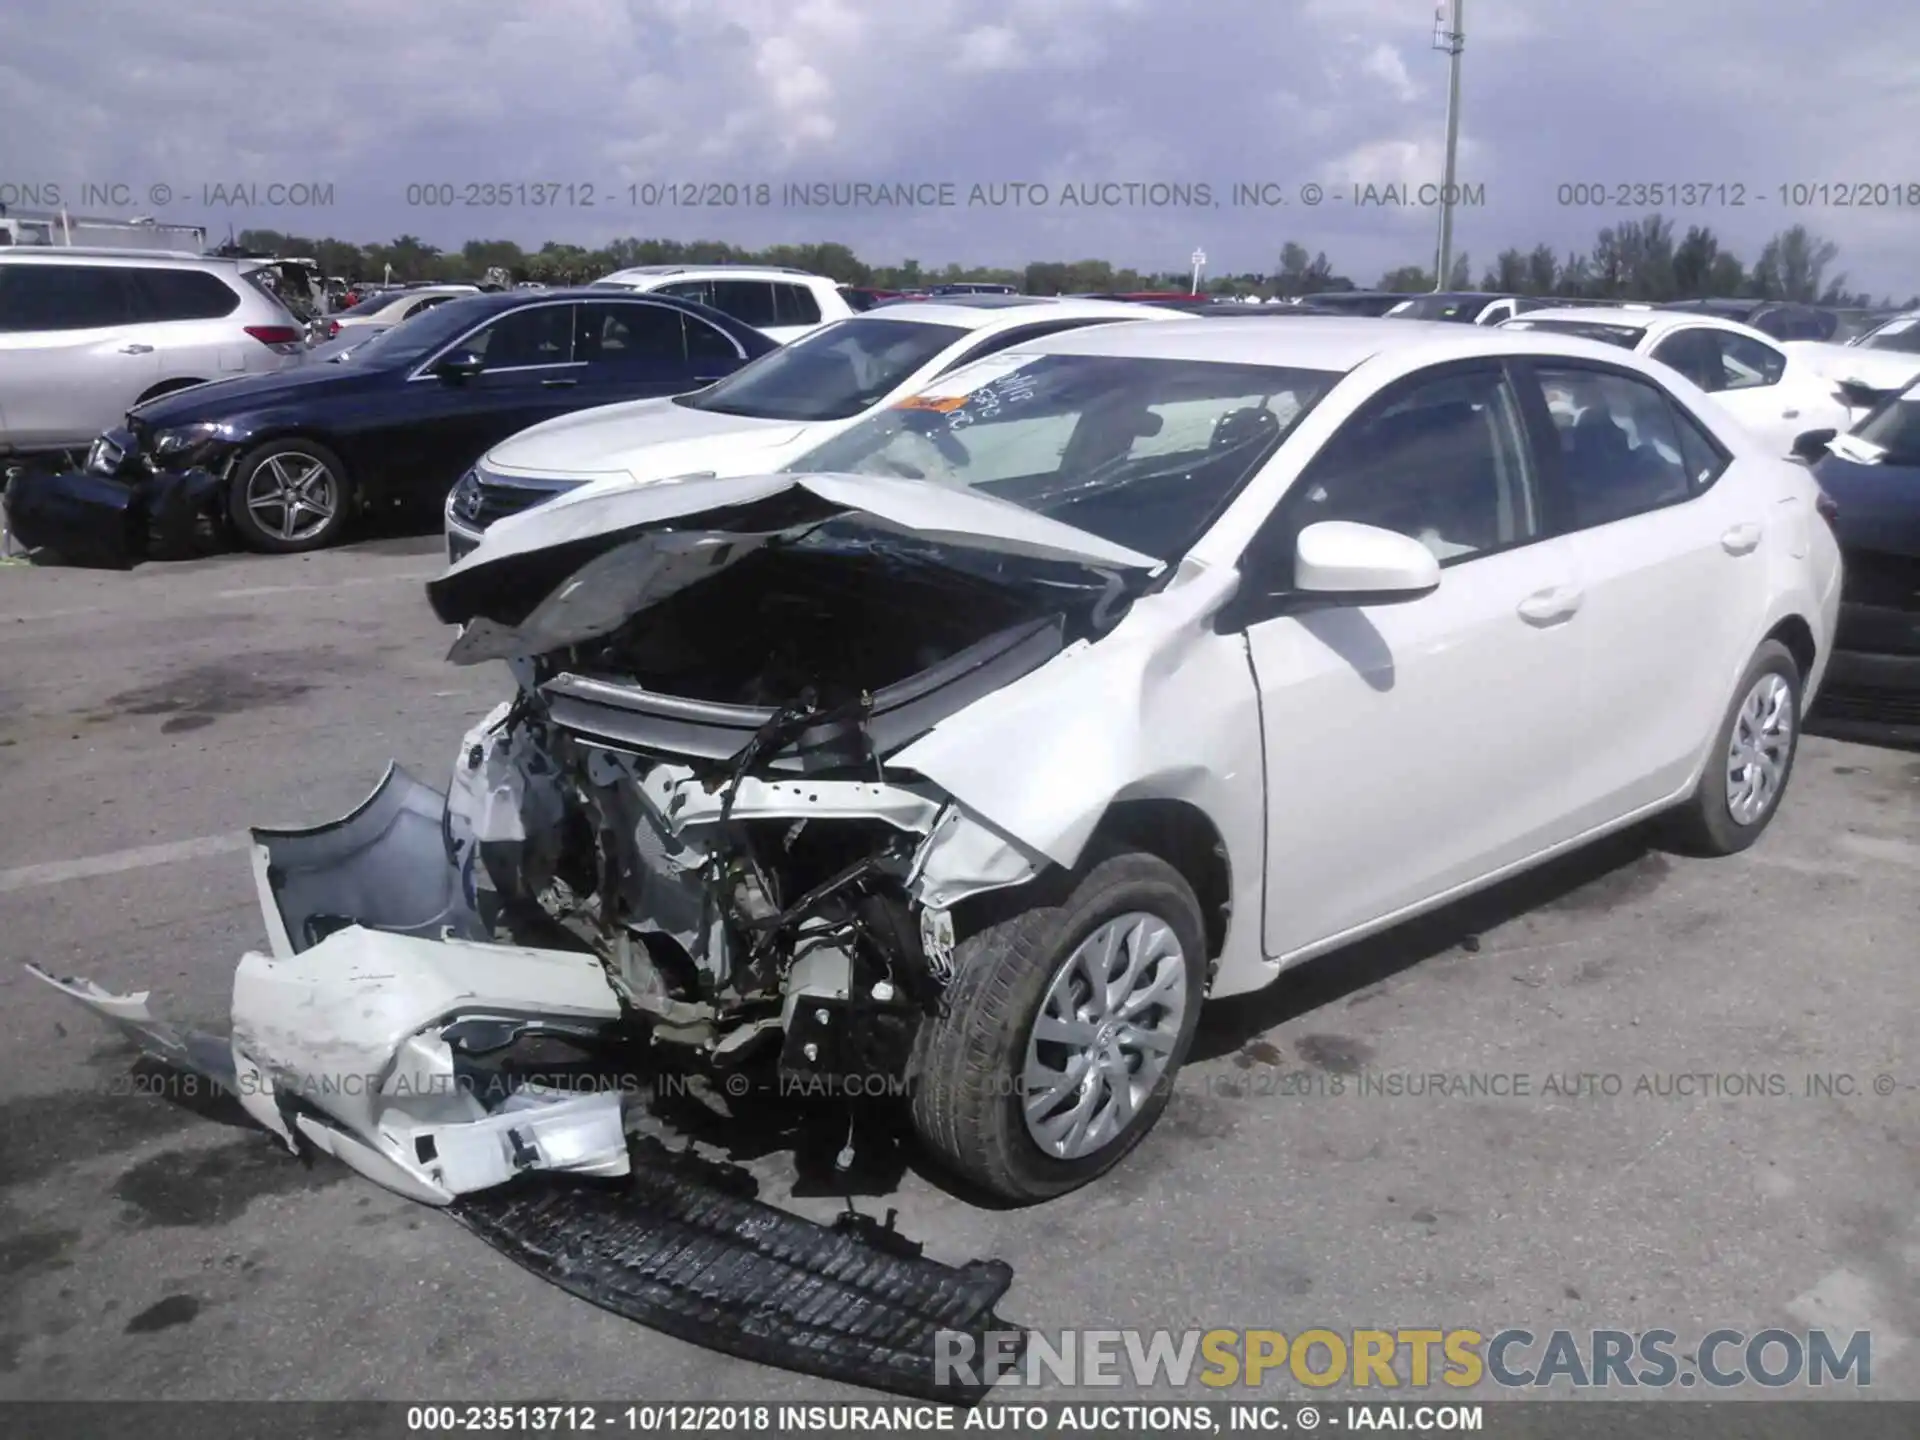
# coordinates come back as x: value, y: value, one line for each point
x: 1462, y: 308
x: 1895, y: 428
x: 413, y: 337
x: 1902, y: 335
x: 1625, y: 336
x: 1144, y: 453
x: 832, y: 374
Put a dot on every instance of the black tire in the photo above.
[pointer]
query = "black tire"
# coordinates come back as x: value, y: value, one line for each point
x: 307, y: 536
x: 969, y: 1060
x: 1705, y: 824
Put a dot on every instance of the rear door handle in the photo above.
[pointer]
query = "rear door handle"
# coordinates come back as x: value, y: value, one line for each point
x: 557, y: 384
x: 1742, y: 539
x: 136, y: 349
x: 1550, y: 607
x: 1789, y: 414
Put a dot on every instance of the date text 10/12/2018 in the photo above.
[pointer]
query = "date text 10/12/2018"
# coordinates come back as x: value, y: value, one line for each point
x: 1735, y: 195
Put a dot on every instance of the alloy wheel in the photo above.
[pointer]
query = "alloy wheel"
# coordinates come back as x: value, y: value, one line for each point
x: 1107, y: 1028
x: 1760, y: 749
x: 292, y: 496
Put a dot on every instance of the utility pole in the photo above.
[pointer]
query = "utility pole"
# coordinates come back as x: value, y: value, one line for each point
x: 1199, y: 259
x: 1452, y: 38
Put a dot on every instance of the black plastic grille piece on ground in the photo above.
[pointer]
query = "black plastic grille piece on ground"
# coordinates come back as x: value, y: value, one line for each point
x: 676, y: 1251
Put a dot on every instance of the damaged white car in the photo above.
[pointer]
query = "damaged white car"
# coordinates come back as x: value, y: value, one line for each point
x: 950, y: 771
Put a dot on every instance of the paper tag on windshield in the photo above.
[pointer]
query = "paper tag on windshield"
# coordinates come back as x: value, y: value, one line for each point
x: 951, y: 392
x: 1852, y: 447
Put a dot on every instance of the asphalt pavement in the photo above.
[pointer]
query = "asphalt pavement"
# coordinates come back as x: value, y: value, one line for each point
x: 1632, y: 1091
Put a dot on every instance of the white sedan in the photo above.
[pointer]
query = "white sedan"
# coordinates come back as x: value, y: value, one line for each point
x: 765, y: 413
x: 961, y: 761
x: 1764, y: 384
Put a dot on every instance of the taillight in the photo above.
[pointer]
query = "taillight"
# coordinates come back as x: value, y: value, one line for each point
x: 333, y: 330
x: 274, y: 334
x: 1824, y: 503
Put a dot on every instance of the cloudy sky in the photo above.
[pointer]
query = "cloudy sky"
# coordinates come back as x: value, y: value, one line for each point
x: 374, y: 96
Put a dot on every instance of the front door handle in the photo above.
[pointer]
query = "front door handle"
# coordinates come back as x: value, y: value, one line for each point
x: 557, y: 384
x: 1552, y: 606
x: 1789, y: 414
x: 1742, y: 539
x: 136, y: 349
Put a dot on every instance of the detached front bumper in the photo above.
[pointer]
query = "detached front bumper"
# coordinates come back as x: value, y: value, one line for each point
x: 112, y: 521
x: 366, y: 1032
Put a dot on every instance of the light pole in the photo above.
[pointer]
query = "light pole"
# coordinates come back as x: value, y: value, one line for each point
x: 1451, y: 38
x: 1199, y: 258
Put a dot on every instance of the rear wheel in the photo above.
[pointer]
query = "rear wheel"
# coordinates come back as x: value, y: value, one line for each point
x: 1751, y: 760
x: 289, y: 496
x: 1062, y: 1030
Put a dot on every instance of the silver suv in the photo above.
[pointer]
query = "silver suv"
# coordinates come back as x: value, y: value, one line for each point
x: 87, y: 334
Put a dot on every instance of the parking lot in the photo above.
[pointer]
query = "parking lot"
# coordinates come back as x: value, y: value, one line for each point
x: 1547, y: 1161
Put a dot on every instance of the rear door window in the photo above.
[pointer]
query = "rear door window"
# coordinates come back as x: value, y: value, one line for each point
x: 1620, y: 444
x: 748, y: 301
x: 795, y: 305
x: 182, y: 295
x: 629, y: 336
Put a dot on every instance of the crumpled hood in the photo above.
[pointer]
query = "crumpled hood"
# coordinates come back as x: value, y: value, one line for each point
x: 525, y: 558
x: 608, y: 438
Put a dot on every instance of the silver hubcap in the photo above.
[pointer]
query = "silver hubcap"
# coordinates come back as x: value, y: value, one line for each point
x: 1762, y: 745
x: 1104, y: 1035
x: 292, y: 496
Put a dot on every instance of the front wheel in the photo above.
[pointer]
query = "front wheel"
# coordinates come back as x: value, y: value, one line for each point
x: 1056, y: 1046
x: 1751, y: 760
x: 289, y: 496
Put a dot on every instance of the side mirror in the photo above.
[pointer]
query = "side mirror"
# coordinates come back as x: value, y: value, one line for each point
x: 1336, y: 563
x: 1813, y: 444
x: 459, y: 366
x: 1362, y: 564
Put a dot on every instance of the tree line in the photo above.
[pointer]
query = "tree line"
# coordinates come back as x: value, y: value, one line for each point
x: 1645, y: 259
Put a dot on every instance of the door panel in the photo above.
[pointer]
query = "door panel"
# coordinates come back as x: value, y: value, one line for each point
x: 1414, y: 748
x: 1668, y: 539
x: 423, y: 435
x: 72, y: 358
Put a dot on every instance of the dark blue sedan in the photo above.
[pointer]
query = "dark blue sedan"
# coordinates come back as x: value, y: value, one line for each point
x: 1872, y: 690
x: 289, y: 459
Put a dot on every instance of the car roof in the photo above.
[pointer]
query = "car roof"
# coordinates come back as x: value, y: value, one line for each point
x: 1334, y: 343
x: 92, y: 254
x: 1654, y: 321
x: 958, y: 311
x: 696, y: 272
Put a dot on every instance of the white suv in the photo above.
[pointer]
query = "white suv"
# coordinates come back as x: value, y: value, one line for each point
x: 87, y: 334
x: 780, y: 303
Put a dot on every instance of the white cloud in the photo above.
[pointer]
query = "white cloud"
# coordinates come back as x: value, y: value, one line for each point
x: 1384, y: 64
x: 374, y: 95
